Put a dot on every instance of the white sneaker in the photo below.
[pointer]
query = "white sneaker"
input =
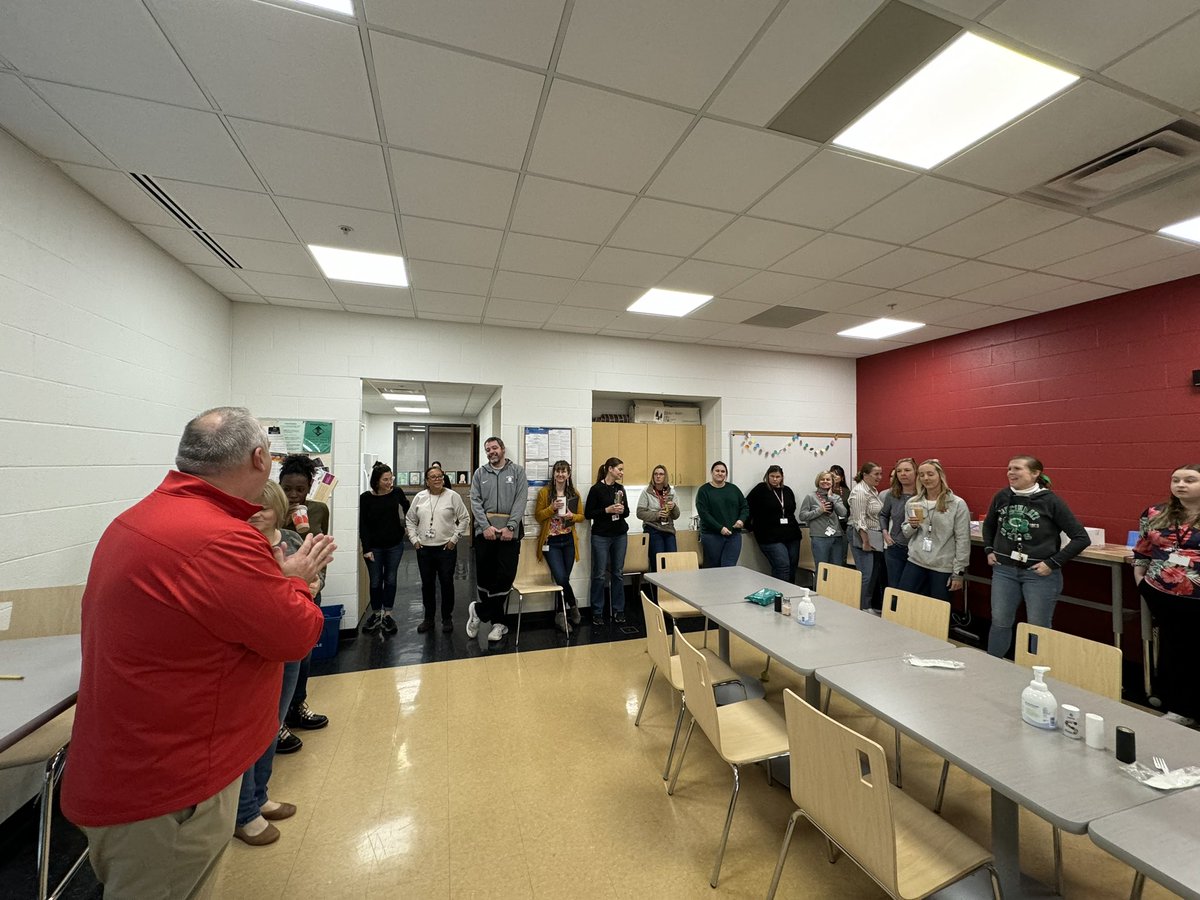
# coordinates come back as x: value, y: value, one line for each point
x: 472, y: 620
x: 498, y: 631
x: 1178, y: 719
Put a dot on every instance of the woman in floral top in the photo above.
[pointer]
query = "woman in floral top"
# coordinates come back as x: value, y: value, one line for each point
x: 1166, y: 563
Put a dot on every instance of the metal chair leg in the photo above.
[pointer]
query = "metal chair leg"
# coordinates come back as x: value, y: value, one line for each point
x: 997, y: 891
x: 941, y: 794
x: 646, y: 693
x: 675, y: 737
x: 520, y: 607
x: 765, y: 674
x: 828, y: 697
x: 50, y: 778
x: 783, y: 852
x: 682, y: 753
x: 1139, y: 881
x: 737, y: 785
x: 1058, y: 861
x: 898, y: 784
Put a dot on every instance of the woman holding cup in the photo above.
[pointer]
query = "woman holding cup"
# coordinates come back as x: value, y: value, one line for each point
x: 557, y: 508
x: 658, y: 509
x: 938, y: 529
x: 823, y: 512
x: 607, y: 510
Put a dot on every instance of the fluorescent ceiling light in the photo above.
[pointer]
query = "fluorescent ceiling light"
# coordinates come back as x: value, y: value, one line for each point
x: 345, y: 7
x: 881, y: 328
x: 966, y: 92
x: 404, y: 398
x: 661, y: 302
x: 412, y: 410
x: 1188, y: 230
x: 356, y: 265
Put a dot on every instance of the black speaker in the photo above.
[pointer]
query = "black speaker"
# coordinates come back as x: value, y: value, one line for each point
x: 1195, y: 377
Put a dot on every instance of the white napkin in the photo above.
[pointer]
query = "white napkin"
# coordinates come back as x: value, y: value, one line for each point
x: 933, y: 663
x: 1188, y: 776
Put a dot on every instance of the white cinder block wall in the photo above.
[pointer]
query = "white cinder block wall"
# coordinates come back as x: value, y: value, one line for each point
x: 290, y: 362
x: 107, y: 347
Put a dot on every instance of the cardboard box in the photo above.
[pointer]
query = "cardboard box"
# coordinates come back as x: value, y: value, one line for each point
x: 661, y: 414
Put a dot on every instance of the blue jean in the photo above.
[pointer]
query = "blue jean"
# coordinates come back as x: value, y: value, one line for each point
x: 920, y: 580
x: 870, y: 563
x: 895, y: 557
x: 382, y: 570
x: 721, y: 550
x: 782, y: 557
x: 660, y: 542
x: 827, y: 549
x: 253, y: 793
x: 608, y: 558
x: 560, y: 557
x: 1009, y: 586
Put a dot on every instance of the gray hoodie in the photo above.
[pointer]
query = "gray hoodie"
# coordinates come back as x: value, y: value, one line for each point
x: 499, y: 493
x: 949, y: 535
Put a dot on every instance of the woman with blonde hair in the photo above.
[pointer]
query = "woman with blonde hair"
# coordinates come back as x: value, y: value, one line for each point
x: 938, y: 529
x: 559, y: 509
x: 866, y: 535
x: 892, y: 516
x: 658, y: 509
x: 823, y: 511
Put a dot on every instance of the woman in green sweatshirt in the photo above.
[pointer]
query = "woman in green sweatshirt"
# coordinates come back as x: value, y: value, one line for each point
x: 723, y: 513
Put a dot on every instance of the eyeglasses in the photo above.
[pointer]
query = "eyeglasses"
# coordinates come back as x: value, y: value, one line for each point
x: 435, y: 477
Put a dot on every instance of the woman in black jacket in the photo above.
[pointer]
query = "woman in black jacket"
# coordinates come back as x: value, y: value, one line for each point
x: 773, y: 521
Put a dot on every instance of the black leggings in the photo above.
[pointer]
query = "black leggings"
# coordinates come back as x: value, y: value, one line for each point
x: 1178, y: 621
x: 495, y: 571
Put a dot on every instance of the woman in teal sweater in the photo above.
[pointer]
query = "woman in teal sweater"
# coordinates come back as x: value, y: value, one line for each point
x: 723, y: 513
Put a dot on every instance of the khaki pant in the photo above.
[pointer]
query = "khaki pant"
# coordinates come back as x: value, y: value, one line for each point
x: 171, y: 857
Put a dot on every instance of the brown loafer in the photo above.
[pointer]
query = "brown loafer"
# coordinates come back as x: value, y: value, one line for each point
x: 283, y: 811
x: 268, y: 835
x: 424, y: 626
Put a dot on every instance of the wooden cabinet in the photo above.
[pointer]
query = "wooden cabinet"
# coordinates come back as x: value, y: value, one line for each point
x: 642, y: 447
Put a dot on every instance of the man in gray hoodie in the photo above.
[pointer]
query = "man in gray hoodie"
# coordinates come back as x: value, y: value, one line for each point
x: 499, y: 493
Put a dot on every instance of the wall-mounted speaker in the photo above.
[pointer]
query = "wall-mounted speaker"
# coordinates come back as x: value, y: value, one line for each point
x: 1195, y: 377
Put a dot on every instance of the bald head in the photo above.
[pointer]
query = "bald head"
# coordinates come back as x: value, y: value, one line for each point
x: 219, y: 442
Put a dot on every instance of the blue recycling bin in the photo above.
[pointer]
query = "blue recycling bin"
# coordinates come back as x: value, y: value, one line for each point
x: 327, y: 646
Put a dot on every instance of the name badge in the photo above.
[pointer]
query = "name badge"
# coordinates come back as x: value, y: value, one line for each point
x: 1178, y: 559
x: 509, y: 479
x: 829, y: 532
x: 1019, y: 556
x: 783, y: 521
x: 927, y: 545
x: 546, y: 548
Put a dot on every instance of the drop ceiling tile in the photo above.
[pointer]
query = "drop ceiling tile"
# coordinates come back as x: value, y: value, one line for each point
x: 900, y: 267
x: 560, y: 210
x: 631, y: 267
x: 722, y: 309
x: 270, y: 256
x: 984, y: 316
x: 446, y: 102
x: 570, y: 328
x: 535, y: 288
x: 833, y: 322
x: 997, y: 226
x: 772, y: 287
x: 446, y: 242
x: 700, y: 277
x: 1088, y: 32
x: 320, y: 223
x: 1084, y: 123
x: 436, y: 315
x: 545, y: 256
x: 590, y: 319
x: 690, y: 329
x: 918, y: 208
x: 1024, y: 285
x: 633, y: 325
x: 523, y: 311
x: 153, y: 138
x: 889, y: 303
x: 520, y: 30
x: 672, y: 50
x: 1149, y: 248
x: 968, y: 9
x: 315, y: 166
x: 790, y: 53
x: 834, y: 295
x: 226, y: 211
x: 939, y: 311
x: 373, y: 296
x: 830, y: 188
x: 290, y: 287
x: 267, y: 62
x: 120, y: 194
x: 964, y: 277
x: 611, y: 297
x: 1156, y: 273
x: 301, y: 303
x: 662, y: 227
x: 221, y: 278
x: 52, y: 40
x: 1072, y: 239
x: 246, y: 298
x: 832, y: 255
x: 404, y: 312
x: 25, y: 116
x: 603, y: 139
x: 424, y: 275
x: 433, y: 304
x: 1079, y: 292
x: 727, y: 166
x: 1168, y: 67
x: 181, y: 244
x: 1175, y: 201
x: 756, y: 242
x: 445, y: 189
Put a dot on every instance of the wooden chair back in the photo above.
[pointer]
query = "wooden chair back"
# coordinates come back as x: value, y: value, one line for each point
x: 839, y: 583
x: 533, y: 574
x: 1091, y: 665
x: 658, y: 641
x: 688, y: 541
x: 927, y: 615
x: 840, y: 780
x: 637, y: 554
x: 698, y: 688
x: 674, y: 562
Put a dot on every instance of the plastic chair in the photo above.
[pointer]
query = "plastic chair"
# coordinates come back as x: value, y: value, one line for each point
x: 533, y: 577
x: 839, y: 783
x: 658, y: 645
x: 46, y: 746
x: 839, y: 583
x: 746, y: 732
x: 683, y: 560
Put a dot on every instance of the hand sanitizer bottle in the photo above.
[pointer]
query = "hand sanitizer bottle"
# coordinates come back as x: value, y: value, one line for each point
x: 1038, y: 706
x: 806, y: 610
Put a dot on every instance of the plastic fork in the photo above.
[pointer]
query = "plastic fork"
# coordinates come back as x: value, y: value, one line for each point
x: 1161, y: 765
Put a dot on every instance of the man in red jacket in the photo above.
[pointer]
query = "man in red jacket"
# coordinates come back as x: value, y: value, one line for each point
x: 188, y: 617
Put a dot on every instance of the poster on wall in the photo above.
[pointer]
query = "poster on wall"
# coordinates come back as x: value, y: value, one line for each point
x: 542, y: 447
x: 311, y: 437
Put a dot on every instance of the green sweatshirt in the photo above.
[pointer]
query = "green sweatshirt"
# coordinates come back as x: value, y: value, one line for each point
x: 720, y: 507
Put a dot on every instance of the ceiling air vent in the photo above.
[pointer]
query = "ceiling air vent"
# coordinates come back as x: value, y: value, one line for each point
x: 177, y: 212
x: 1145, y: 162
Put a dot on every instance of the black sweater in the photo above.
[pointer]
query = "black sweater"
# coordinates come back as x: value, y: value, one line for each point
x: 766, y: 511
x: 1031, y: 524
x: 600, y: 496
x: 381, y: 519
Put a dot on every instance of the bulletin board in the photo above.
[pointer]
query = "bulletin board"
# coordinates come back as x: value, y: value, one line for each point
x: 311, y: 437
x: 802, y: 455
x: 542, y: 447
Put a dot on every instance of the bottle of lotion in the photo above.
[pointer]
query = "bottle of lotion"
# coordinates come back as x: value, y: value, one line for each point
x: 806, y: 610
x: 1038, y: 706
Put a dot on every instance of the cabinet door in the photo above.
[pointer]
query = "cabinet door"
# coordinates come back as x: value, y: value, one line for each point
x: 660, y: 449
x: 690, y: 456
x: 631, y: 443
x: 604, y: 445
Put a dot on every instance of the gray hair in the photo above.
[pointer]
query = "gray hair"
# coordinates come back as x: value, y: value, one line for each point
x: 219, y: 440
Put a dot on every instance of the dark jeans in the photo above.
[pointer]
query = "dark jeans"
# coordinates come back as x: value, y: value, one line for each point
x: 660, y: 542
x: 300, y: 690
x: 783, y: 557
x: 560, y: 557
x: 436, y: 565
x: 895, y: 557
x: 495, y: 570
x: 721, y: 550
x: 382, y: 570
x: 920, y: 580
x: 253, y: 792
x: 870, y: 563
x: 1178, y: 621
x: 608, y: 559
